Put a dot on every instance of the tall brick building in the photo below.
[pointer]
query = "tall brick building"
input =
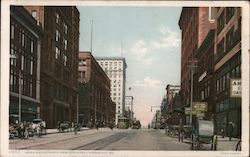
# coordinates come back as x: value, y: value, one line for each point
x: 25, y: 51
x: 59, y: 61
x: 194, y: 23
x: 227, y: 60
x: 95, y: 103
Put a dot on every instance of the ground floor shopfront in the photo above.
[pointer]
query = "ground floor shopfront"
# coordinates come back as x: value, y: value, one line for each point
x: 30, y: 108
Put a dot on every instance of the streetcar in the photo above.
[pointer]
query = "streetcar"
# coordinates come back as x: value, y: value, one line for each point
x: 123, y: 123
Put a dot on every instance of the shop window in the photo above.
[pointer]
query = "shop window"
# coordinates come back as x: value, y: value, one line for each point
x: 226, y: 104
x: 232, y: 103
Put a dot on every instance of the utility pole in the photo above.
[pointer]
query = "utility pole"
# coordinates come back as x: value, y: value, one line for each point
x: 20, y: 98
x: 192, y: 66
x: 91, y: 44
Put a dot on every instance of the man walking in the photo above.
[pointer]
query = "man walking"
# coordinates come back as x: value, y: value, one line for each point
x: 230, y: 130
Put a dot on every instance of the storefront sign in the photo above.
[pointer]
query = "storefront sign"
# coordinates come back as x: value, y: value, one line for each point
x: 202, y: 76
x: 235, y: 88
x: 200, y: 106
x: 188, y: 111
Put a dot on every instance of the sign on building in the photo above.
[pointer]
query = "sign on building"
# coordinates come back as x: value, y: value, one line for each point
x: 200, y: 106
x: 235, y: 88
x: 188, y: 111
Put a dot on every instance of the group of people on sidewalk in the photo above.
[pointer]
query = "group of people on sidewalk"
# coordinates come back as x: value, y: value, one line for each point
x: 25, y: 129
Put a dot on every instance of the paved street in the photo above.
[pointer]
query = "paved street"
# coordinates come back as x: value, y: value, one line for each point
x: 103, y: 139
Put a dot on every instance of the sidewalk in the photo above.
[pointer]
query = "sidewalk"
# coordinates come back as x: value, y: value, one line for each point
x: 225, y: 144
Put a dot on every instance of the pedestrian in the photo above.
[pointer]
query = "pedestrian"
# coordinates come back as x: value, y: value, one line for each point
x: 75, y: 128
x: 230, y: 130
x: 97, y: 125
x: 22, y: 130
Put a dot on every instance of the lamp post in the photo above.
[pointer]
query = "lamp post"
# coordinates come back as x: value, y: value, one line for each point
x: 12, y: 56
x: 20, y: 98
x: 192, y: 66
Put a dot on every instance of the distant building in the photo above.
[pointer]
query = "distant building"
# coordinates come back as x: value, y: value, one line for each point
x: 156, y: 122
x: 129, y: 105
x: 115, y: 68
x: 25, y: 52
x: 95, y: 103
x: 59, y: 60
x: 227, y: 59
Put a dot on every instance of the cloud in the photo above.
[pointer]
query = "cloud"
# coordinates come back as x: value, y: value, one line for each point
x: 139, y: 48
x: 143, y: 50
x: 169, y: 39
x: 147, y: 82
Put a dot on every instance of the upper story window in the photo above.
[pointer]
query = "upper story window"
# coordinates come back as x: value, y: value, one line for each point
x: 230, y: 39
x: 221, y: 22
x: 82, y: 62
x: 65, y: 26
x: 57, y: 35
x: 12, y: 31
x: 65, y: 44
x: 57, y: 18
x: 31, y: 46
x: 229, y: 13
x: 34, y: 13
x: 57, y: 52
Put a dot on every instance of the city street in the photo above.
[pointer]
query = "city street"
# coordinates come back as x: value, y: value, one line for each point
x: 103, y: 139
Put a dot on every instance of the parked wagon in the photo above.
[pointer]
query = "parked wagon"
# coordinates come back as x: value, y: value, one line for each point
x: 203, y: 134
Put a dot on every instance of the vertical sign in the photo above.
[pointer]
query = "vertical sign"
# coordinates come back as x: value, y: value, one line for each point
x: 235, y: 88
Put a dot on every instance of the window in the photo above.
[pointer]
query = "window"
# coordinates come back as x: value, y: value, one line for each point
x: 22, y: 63
x: 31, y: 46
x: 230, y: 39
x: 65, y: 44
x: 57, y: 53
x: 202, y: 95
x: 12, y: 32
x: 65, y: 60
x: 31, y: 67
x: 57, y: 35
x: 65, y: 28
x: 223, y: 82
x: 82, y: 62
x: 82, y: 74
x: 57, y: 18
x: 217, y: 86
x: 31, y: 89
x: 221, y: 22
x: 23, y: 38
x: 229, y: 13
x: 34, y: 13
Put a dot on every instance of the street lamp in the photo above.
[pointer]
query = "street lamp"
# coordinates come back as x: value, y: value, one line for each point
x: 192, y: 66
